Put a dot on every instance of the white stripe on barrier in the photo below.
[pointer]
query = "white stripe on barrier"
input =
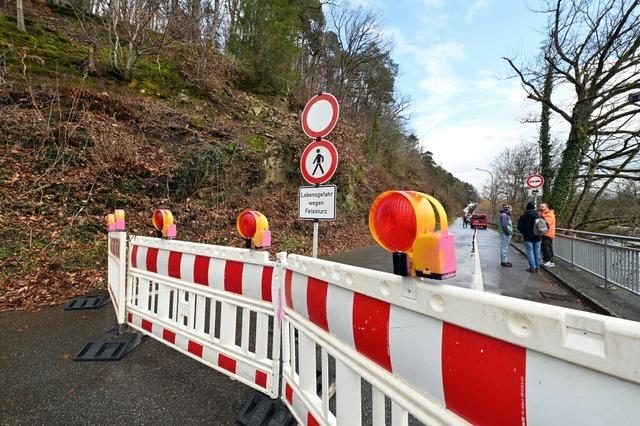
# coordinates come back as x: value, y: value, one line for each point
x: 596, y: 399
x: 415, y: 346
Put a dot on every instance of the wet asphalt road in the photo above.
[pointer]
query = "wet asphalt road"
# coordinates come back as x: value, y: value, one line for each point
x: 512, y: 282
x: 40, y: 384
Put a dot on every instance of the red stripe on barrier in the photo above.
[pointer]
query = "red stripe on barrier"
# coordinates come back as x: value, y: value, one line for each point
x: 134, y: 256
x: 152, y: 259
x: 147, y: 325
x: 311, y: 421
x: 267, y: 276
x: 483, y: 377
x: 317, y: 302
x: 233, y: 276
x: 288, y: 277
x: 288, y: 393
x: 175, y: 258
x: 227, y: 363
x: 201, y: 270
x: 195, y: 348
x: 261, y: 379
x: 169, y: 336
x: 371, y: 328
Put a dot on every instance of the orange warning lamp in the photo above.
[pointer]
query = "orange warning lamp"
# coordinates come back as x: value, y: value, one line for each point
x: 403, y: 222
x: 163, y: 221
x: 254, y: 228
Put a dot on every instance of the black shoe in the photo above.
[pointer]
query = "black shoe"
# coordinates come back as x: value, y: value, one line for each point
x: 506, y: 264
x: 533, y: 271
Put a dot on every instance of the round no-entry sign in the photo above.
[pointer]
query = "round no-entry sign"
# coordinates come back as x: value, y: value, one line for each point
x: 320, y: 115
x: 535, y: 181
x: 319, y: 161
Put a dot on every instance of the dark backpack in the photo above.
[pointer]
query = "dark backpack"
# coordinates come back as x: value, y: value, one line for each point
x: 540, y: 227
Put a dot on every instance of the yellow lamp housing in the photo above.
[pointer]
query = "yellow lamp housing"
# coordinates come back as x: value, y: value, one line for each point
x: 111, y: 222
x: 434, y: 254
x: 254, y: 228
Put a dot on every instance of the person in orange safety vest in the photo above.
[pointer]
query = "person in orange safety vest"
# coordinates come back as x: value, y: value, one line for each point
x: 547, y: 239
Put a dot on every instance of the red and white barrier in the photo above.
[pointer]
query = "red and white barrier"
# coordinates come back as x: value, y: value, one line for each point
x: 116, y: 272
x: 448, y: 355
x: 212, y: 303
x: 367, y: 347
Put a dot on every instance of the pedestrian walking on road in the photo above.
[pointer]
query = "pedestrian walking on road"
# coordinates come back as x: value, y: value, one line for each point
x: 532, y: 242
x: 549, y: 216
x: 506, y: 232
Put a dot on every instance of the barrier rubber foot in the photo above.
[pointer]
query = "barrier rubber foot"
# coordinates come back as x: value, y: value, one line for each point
x: 90, y: 301
x: 260, y: 410
x: 112, y: 348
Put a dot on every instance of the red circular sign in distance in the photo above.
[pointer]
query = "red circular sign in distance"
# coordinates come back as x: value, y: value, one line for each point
x: 395, y: 222
x: 315, y: 167
x: 535, y: 181
x: 320, y: 115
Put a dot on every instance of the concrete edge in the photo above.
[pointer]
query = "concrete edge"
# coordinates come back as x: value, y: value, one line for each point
x: 598, y: 307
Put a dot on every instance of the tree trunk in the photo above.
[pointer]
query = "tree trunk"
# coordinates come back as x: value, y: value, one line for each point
x: 545, y: 137
x: 20, y: 16
x: 91, y: 63
x: 577, y: 143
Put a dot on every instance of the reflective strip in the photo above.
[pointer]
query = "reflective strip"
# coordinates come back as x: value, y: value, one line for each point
x: 339, y: 314
x: 317, y: 302
x: 595, y: 398
x: 415, y: 345
x: 229, y: 364
x: 299, y: 294
x: 483, y: 377
x: 233, y: 276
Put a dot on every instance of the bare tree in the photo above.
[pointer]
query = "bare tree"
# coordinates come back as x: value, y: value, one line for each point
x: 20, y: 16
x: 360, y: 42
x: 511, y: 167
x: 594, y: 48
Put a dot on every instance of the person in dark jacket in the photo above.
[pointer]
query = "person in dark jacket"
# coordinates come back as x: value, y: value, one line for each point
x: 532, y: 242
x: 506, y: 232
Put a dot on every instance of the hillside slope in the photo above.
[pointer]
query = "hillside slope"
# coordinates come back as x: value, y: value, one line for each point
x: 75, y: 146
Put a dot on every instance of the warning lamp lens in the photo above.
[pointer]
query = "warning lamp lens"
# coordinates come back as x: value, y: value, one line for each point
x: 158, y: 220
x: 247, y: 224
x: 394, y: 222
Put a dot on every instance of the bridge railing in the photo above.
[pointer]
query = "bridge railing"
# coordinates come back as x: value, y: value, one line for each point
x: 614, y: 258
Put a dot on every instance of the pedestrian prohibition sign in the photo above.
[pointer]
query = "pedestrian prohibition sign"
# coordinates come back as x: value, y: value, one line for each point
x: 319, y: 161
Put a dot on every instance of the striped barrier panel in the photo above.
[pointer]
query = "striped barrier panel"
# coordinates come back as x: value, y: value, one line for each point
x: 117, y: 272
x: 215, y: 304
x: 400, y: 350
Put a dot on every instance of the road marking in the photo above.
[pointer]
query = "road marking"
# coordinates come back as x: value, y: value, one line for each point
x: 478, y: 283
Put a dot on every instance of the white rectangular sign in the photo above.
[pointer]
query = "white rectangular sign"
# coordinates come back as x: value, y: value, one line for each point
x: 317, y: 202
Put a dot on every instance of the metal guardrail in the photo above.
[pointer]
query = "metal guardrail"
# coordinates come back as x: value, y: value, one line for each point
x: 614, y: 258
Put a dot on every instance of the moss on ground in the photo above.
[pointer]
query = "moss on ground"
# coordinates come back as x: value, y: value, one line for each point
x: 47, y: 54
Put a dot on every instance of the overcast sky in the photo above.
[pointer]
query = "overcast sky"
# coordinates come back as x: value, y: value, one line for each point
x: 450, y: 53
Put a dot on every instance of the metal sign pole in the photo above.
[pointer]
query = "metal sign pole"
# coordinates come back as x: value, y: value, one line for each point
x: 315, y: 238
